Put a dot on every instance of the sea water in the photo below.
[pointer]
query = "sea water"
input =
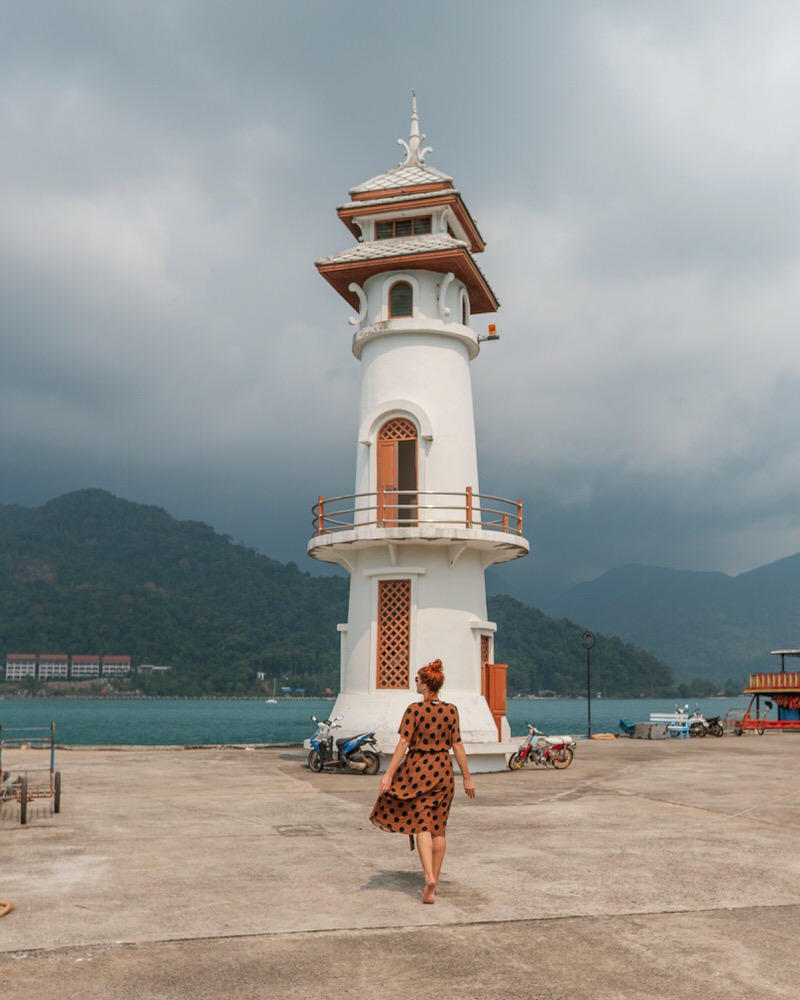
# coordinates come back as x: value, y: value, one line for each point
x: 201, y: 721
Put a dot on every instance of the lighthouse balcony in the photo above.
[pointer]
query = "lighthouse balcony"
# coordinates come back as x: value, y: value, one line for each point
x: 465, y: 519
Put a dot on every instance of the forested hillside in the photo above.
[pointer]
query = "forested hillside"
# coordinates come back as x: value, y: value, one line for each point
x: 91, y: 573
x: 546, y: 654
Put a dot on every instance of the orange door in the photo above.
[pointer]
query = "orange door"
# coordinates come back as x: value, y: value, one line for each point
x: 387, y: 483
x: 397, y: 473
x: 494, y: 691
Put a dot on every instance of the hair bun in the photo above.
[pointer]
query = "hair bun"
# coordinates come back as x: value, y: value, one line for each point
x: 432, y: 675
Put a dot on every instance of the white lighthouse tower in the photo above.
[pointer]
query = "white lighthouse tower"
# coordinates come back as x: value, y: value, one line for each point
x: 417, y: 534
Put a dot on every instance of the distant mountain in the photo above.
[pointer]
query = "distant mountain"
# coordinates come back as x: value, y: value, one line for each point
x: 91, y: 573
x: 702, y: 624
x: 546, y: 653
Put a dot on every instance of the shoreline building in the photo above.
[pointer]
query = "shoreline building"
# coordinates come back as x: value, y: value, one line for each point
x: 116, y: 666
x: 53, y: 666
x: 416, y: 535
x: 85, y: 667
x: 20, y: 665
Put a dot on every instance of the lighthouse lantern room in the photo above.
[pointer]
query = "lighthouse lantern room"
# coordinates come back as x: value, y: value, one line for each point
x: 417, y: 533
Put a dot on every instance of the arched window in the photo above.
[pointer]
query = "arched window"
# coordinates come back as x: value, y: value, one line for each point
x: 464, y: 309
x: 397, y: 473
x: 401, y: 299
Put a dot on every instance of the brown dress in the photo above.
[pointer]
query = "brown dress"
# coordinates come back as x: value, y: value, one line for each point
x: 422, y: 787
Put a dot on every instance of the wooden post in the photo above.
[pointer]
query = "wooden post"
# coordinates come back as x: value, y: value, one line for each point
x: 381, y: 511
x: 320, y: 515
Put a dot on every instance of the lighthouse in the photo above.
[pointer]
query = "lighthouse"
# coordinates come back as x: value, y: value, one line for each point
x: 417, y: 533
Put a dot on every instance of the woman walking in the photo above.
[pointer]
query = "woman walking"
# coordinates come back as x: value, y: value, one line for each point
x: 416, y: 790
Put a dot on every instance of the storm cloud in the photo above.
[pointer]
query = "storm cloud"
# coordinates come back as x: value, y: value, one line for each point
x: 171, y: 171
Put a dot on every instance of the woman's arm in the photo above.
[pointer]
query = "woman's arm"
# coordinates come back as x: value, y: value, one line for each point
x: 461, y: 759
x: 397, y: 756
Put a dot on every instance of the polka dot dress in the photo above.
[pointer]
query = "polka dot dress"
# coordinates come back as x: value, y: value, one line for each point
x: 422, y: 787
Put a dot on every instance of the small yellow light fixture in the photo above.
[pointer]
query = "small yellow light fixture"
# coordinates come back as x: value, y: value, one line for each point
x: 491, y: 334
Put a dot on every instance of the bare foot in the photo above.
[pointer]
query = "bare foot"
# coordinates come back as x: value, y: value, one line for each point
x: 429, y: 893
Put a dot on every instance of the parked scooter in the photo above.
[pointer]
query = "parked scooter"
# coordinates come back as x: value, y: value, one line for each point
x: 349, y: 753
x: 546, y: 750
x: 699, y: 725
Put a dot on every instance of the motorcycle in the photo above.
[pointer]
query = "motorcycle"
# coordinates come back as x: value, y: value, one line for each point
x: 699, y: 725
x: 350, y: 753
x: 541, y: 749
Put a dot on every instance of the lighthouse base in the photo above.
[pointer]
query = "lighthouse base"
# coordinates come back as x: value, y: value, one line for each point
x: 381, y: 712
x: 483, y: 758
x: 486, y: 757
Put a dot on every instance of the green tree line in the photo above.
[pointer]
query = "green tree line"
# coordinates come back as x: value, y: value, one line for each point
x: 92, y: 573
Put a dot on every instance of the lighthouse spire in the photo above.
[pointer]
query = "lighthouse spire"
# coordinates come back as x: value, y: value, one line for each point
x: 414, y: 154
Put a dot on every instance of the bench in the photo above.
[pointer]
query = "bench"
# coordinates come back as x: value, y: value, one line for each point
x: 680, y: 730
x: 677, y: 723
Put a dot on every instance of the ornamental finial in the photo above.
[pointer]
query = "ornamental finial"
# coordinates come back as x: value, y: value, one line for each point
x: 413, y: 152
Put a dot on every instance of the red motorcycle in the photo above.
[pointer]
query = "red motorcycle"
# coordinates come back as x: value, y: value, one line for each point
x: 551, y: 751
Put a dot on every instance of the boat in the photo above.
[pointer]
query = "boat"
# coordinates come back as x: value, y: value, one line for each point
x: 780, y: 690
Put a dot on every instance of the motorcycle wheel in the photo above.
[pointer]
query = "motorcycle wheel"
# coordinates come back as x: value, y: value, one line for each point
x: 716, y: 730
x: 697, y: 729
x: 562, y: 758
x: 373, y: 762
x: 315, y: 761
x: 515, y: 761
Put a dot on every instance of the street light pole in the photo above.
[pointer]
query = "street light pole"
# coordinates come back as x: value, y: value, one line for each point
x: 587, y: 641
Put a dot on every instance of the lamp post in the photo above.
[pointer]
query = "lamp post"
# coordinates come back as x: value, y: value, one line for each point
x: 587, y: 641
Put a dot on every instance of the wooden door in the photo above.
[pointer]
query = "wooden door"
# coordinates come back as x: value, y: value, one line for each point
x: 494, y: 691
x: 397, y: 473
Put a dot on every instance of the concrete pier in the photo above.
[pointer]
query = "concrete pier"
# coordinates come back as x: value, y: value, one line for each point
x: 646, y: 869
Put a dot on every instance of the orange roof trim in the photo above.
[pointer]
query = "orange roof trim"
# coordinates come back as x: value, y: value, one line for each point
x: 481, y: 297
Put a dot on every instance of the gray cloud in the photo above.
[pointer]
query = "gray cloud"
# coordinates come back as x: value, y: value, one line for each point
x: 171, y: 171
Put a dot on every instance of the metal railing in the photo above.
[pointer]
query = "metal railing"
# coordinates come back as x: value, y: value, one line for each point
x: 414, y: 509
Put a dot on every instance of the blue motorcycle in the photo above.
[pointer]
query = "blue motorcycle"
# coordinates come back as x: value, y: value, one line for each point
x: 348, y: 753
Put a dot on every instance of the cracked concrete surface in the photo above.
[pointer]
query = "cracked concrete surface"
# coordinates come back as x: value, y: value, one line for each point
x: 646, y: 869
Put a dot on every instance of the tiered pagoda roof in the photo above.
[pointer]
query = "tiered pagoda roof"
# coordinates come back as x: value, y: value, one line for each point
x: 412, y: 188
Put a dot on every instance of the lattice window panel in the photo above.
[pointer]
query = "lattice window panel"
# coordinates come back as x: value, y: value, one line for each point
x: 394, y: 633
x: 398, y: 429
x: 484, y: 650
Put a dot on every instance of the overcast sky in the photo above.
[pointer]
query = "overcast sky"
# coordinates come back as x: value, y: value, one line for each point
x: 170, y: 172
